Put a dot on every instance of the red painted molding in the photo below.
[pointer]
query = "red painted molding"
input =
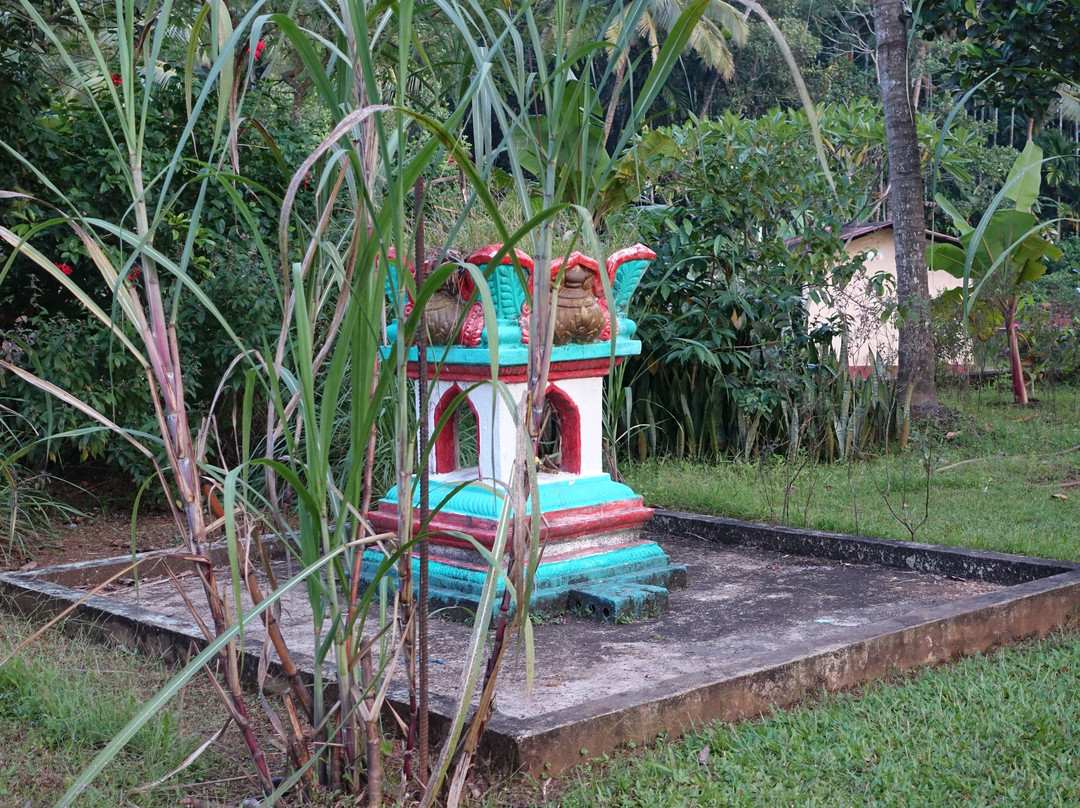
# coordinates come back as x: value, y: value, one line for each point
x: 446, y: 442
x: 575, y: 259
x: 473, y: 327
x: 485, y: 254
x: 605, y: 333
x: 639, y: 252
x: 573, y: 369
x: 572, y: 523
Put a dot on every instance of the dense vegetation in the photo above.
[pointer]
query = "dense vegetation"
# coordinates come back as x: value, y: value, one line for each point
x: 203, y: 208
x: 718, y: 198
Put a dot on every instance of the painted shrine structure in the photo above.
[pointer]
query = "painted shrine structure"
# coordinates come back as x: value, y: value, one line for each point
x: 593, y: 559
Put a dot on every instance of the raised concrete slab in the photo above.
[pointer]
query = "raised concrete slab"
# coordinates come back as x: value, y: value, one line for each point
x: 772, y: 614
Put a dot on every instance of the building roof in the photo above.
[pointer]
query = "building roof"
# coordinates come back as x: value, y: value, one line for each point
x: 852, y: 231
x: 857, y: 230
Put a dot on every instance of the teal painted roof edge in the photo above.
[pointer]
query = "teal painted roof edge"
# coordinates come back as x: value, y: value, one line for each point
x: 518, y: 354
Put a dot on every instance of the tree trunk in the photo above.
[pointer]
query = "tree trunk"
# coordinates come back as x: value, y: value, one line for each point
x: 609, y: 119
x: 915, y: 356
x: 707, y: 104
x: 1020, y: 395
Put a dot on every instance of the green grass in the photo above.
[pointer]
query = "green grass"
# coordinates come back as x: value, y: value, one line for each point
x: 1000, y: 729
x: 1002, y: 501
x: 63, y: 697
x: 990, y: 730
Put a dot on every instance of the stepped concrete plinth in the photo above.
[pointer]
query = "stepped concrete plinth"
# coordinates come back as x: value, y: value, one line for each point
x: 774, y: 614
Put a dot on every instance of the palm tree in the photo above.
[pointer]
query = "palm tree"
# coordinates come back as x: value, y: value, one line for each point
x: 709, y: 38
x: 1061, y: 171
x: 915, y: 357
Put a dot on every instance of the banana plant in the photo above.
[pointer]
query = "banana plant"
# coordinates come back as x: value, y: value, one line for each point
x: 1004, y: 252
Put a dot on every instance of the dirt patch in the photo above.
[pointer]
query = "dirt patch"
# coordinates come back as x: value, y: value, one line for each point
x: 938, y: 417
x: 1063, y: 475
x: 102, y: 535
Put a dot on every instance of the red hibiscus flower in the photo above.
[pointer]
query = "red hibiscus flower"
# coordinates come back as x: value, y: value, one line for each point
x: 64, y: 268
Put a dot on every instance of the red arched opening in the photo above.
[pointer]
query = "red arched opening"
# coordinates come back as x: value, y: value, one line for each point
x: 568, y: 425
x: 448, y: 443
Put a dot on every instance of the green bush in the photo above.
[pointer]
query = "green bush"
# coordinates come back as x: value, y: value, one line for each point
x: 46, y: 330
x: 78, y: 355
x: 745, y: 233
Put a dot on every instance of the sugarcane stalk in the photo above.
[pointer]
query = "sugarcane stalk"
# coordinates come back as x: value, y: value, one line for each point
x: 425, y: 491
x: 372, y: 747
x: 163, y: 353
x: 298, y: 750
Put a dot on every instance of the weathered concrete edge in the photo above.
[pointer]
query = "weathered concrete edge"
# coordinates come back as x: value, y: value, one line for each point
x: 743, y: 689
x: 159, y: 636
x: 749, y: 688
x: 156, y: 634
x: 90, y: 573
x: 959, y: 562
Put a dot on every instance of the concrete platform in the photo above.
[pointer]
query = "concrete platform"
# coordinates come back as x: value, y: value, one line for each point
x: 770, y: 615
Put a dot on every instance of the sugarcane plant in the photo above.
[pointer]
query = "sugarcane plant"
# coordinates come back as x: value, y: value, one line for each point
x: 328, y: 271
x: 116, y: 81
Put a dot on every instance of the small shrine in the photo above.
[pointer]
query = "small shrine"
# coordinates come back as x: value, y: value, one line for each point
x: 593, y: 561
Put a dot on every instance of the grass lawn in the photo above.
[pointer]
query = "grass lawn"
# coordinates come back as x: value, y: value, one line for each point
x: 1002, y: 729
x: 1017, y: 489
x: 63, y: 697
x: 999, y: 729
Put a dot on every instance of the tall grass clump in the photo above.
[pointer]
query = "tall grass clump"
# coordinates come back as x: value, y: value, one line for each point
x: 350, y: 219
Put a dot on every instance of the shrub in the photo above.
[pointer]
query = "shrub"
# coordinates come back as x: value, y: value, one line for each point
x: 743, y: 237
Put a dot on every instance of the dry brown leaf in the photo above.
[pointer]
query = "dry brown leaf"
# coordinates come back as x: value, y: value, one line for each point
x: 951, y: 435
x: 1059, y: 496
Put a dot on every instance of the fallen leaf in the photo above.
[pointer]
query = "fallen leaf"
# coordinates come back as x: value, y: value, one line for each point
x: 1059, y: 496
x: 29, y: 565
x: 951, y: 435
x: 703, y: 755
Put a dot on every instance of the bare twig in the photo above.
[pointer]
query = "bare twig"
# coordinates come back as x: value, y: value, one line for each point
x: 1006, y: 457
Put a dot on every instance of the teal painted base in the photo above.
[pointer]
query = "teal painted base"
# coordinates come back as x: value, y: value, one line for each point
x: 482, y: 500
x: 618, y: 584
x: 618, y: 602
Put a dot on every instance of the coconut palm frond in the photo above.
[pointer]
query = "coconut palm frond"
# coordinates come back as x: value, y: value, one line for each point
x: 728, y: 18
x: 709, y: 39
x: 708, y: 42
x: 1068, y: 102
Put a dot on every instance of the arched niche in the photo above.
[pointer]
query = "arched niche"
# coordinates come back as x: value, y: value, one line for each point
x: 458, y: 444
x: 564, y: 429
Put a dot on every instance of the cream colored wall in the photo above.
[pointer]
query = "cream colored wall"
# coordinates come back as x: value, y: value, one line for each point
x: 867, y: 334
